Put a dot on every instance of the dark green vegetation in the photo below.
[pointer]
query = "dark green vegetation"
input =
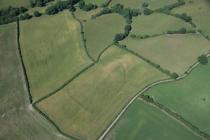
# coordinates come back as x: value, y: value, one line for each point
x: 18, y: 120
x: 143, y: 121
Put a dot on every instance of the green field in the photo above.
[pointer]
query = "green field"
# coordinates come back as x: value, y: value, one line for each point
x: 14, y: 3
x: 145, y: 122
x: 173, y: 52
x: 97, y: 2
x: 144, y: 25
x: 199, y: 11
x: 87, y: 105
x: 153, y: 4
x: 52, y: 50
x: 18, y: 121
x: 83, y: 16
x: 100, y: 32
x: 189, y: 97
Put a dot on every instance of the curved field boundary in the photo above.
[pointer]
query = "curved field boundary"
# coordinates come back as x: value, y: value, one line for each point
x: 22, y: 62
x: 83, y: 36
x: 194, y: 129
x: 113, y: 123
x: 65, y: 84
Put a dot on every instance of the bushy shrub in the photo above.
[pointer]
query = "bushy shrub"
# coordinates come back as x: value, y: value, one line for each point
x: 203, y: 59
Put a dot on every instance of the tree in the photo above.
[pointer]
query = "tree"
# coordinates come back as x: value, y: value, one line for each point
x: 37, y: 14
x: 203, y: 59
x: 174, y: 75
x: 147, y: 11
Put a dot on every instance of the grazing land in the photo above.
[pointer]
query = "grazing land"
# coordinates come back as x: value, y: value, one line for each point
x: 173, y: 52
x: 17, y: 119
x: 189, y: 97
x: 52, y: 53
x: 144, y: 25
x: 145, y: 122
x: 100, y: 32
x: 14, y: 3
x: 97, y: 2
x: 86, y: 106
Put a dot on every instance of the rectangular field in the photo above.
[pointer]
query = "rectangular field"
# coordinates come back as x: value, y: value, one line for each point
x: 88, y: 104
x: 145, y: 122
x: 53, y: 51
x: 14, y: 3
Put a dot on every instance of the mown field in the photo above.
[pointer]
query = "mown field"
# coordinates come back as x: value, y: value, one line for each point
x: 18, y: 121
x: 153, y: 4
x: 145, y: 122
x: 189, y: 97
x: 144, y: 25
x: 14, y: 3
x: 198, y: 10
x: 88, y: 104
x: 100, y: 32
x: 173, y: 52
x: 53, y: 52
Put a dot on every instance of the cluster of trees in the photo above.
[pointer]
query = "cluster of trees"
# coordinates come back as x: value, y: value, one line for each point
x: 127, y: 13
x: 203, y: 59
x: 148, y: 11
x: 39, y: 3
x: 184, y: 17
x: 60, y: 6
x: 181, y: 31
x: 168, y: 8
x: 11, y: 14
x: 134, y: 36
x: 121, y: 36
x: 86, y: 7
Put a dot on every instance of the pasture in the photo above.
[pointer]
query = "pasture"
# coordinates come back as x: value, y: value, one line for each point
x: 18, y: 121
x: 198, y: 10
x: 53, y: 51
x: 189, y: 97
x: 97, y: 2
x: 86, y: 106
x: 173, y: 52
x: 100, y: 32
x: 143, y: 121
x: 144, y: 25
x: 14, y: 3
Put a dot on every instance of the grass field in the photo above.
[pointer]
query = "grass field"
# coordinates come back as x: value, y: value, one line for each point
x: 145, y: 122
x: 189, y: 97
x: 84, y: 15
x: 144, y: 25
x: 97, y: 2
x: 85, y: 107
x: 17, y: 120
x: 153, y: 4
x: 173, y: 52
x: 52, y: 50
x: 198, y: 10
x: 100, y: 32
x: 14, y: 3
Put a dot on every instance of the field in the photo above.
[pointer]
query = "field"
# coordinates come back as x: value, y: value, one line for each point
x: 85, y: 107
x: 153, y: 4
x: 83, y: 16
x: 144, y: 25
x: 17, y: 120
x: 173, y: 52
x: 97, y: 2
x: 145, y: 122
x: 14, y: 3
x: 189, y: 97
x: 198, y: 10
x: 99, y: 34
x: 52, y: 53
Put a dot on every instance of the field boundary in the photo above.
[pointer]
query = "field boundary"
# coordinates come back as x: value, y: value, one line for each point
x: 83, y: 37
x: 65, y: 84
x: 124, y: 109
x: 22, y: 62
x: 194, y: 129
